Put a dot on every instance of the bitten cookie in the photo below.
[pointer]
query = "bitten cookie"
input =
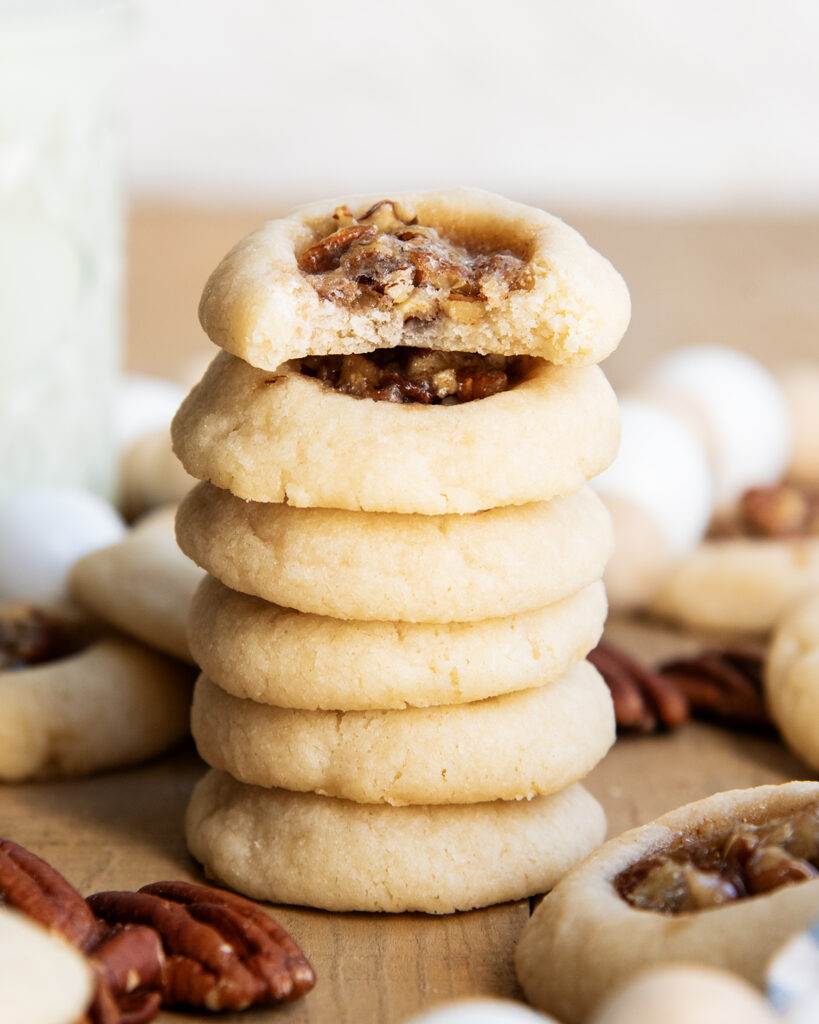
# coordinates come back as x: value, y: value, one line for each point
x: 284, y: 437
x: 516, y: 746
x: 723, y: 881
x: 339, y: 855
x: 791, y: 678
x: 142, y: 585
x: 274, y: 655
x: 460, y: 270
x: 388, y: 566
x: 73, y: 704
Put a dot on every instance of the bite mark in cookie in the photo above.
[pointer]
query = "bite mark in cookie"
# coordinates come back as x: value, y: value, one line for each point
x: 387, y: 257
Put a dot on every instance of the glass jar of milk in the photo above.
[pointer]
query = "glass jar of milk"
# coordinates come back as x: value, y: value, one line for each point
x: 62, y: 72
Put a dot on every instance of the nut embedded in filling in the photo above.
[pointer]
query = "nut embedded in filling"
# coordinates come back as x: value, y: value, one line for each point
x: 426, y: 376
x: 387, y: 257
x: 706, y: 872
x: 30, y: 636
x: 779, y: 511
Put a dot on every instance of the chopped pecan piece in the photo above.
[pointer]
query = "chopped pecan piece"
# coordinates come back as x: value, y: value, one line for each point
x: 221, y: 951
x: 705, y: 871
x: 388, y: 256
x: 409, y: 374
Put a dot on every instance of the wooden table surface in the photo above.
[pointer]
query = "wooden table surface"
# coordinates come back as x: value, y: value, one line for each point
x: 741, y: 283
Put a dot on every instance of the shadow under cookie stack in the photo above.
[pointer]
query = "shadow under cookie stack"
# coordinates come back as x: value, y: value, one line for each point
x: 404, y: 556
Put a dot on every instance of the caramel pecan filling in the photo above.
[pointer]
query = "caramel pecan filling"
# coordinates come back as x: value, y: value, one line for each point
x: 783, y: 510
x: 422, y: 375
x: 30, y: 636
x: 387, y: 257
x: 706, y: 872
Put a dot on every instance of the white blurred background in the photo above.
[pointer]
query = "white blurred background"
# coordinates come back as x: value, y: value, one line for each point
x: 634, y: 105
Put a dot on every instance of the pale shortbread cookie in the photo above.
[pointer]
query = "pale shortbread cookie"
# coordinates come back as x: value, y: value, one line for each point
x: 318, y: 851
x: 516, y: 746
x: 584, y: 939
x: 150, y: 475
x: 740, y: 585
x: 43, y: 979
x: 686, y: 994
x: 791, y: 678
x: 275, y: 655
x: 571, y: 306
x: 389, y: 566
x: 286, y: 437
x: 142, y: 585
x: 111, y: 704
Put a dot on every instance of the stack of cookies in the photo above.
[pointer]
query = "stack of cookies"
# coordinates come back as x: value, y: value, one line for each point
x: 404, y: 558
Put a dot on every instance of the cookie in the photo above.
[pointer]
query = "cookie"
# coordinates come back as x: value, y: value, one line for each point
x: 43, y: 979
x: 101, y: 703
x: 686, y: 994
x: 791, y: 678
x: 460, y: 270
x: 275, y: 655
x: 738, y: 585
x: 141, y: 585
x: 389, y: 566
x: 287, y: 437
x: 271, y: 844
x: 585, y: 938
x: 150, y: 475
x: 519, y: 745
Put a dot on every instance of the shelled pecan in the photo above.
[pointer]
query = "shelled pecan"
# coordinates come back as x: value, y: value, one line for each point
x: 723, y: 685
x: 126, y: 961
x: 644, y: 699
x: 719, y: 685
x: 222, y: 952
x: 170, y: 943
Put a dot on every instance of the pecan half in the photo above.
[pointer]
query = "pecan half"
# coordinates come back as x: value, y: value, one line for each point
x: 221, y: 950
x: 722, y: 685
x: 644, y: 700
x: 126, y: 962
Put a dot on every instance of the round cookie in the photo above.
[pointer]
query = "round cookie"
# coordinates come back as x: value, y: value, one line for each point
x: 791, y: 678
x: 584, y: 938
x: 390, y: 566
x: 286, y: 437
x: 740, y: 585
x: 110, y: 704
x: 516, y: 746
x: 43, y: 979
x: 318, y: 851
x: 686, y: 994
x: 142, y: 585
x: 275, y: 655
x: 569, y: 305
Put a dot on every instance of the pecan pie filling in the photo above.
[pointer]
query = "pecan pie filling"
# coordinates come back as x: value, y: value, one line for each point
x: 706, y: 872
x: 30, y: 636
x: 387, y: 258
x: 426, y: 376
x: 779, y: 511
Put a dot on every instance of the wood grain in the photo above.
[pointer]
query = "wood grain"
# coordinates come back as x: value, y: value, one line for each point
x: 749, y: 284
